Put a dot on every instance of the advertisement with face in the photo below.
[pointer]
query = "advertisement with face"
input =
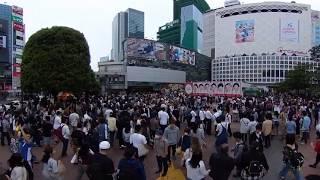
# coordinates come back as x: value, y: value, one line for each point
x: 244, y: 31
x: 180, y: 55
x: 214, y: 88
x: 140, y: 48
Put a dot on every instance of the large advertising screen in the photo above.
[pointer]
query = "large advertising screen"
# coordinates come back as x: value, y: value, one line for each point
x: 289, y: 30
x: 244, y: 31
x: 17, y: 10
x: 156, y: 51
x: 214, y: 88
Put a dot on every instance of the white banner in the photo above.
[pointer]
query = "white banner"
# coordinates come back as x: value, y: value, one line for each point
x: 3, y: 42
x: 19, y: 33
x: 289, y: 30
x: 19, y: 43
x: 18, y: 60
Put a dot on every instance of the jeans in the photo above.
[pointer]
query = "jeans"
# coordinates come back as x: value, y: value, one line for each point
x: 305, y: 136
x: 267, y: 141
x: 173, y: 147
x: 162, y: 164
x: 65, y: 143
x: 296, y: 172
x: 3, y: 135
x: 111, y: 138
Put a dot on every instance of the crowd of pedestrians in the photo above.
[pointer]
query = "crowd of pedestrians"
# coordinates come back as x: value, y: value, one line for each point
x: 173, y: 125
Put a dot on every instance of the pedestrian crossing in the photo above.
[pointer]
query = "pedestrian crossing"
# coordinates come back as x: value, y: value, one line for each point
x: 173, y: 174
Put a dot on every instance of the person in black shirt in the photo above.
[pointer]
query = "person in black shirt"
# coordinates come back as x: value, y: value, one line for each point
x: 221, y: 164
x: 47, y: 128
x: 101, y: 166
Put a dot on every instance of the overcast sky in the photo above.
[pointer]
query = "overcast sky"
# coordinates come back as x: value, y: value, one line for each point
x: 94, y: 17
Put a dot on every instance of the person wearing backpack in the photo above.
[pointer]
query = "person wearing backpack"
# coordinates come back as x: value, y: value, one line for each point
x: 292, y: 159
x: 238, y: 151
x: 254, y: 164
x: 129, y: 167
x: 316, y: 147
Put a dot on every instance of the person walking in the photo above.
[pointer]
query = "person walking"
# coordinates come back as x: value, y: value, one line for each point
x: 316, y: 147
x: 112, y: 127
x: 292, y: 159
x: 196, y: 169
x: 239, y: 149
x: 101, y: 166
x: 65, y: 137
x: 161, y: 147
x: 163, y: 119
x: 50, y: 170
x: 5, y: 129
x: 244, y: 127
x: 221, y: 164
x: 222, y: 135
x: 305, y: 127
x: 172, y: 135
x: 267, y: 129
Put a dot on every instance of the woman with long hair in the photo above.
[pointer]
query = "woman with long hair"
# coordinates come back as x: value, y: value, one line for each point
x: 196, y: 169
x: 17, y: 169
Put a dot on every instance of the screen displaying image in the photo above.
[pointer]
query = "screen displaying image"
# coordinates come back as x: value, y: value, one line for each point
x: 244, y: 31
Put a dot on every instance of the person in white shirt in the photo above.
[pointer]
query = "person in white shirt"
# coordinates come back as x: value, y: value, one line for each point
x: 163, y: 118
x: 228, y: 120
x: 73, y: 120
x: 196, y: 169
x: 208, y: 120
x: 56, y: 125
x: 201, y: 115
x: 65, y: 140
x: 244, y: 127
x: 138, y: 141
x: 193, y: 116
x: 107, y: 112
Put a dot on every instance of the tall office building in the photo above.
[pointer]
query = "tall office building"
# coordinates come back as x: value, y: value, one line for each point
x: 126, y: 24
x: 12, y: 41
x: 186, y: 28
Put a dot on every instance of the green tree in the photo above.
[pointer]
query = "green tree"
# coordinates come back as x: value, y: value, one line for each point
x: 57, y: 59
x: 298, y: 79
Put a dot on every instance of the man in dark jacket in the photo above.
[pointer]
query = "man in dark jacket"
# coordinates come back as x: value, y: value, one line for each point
x: 221, y: 164
x: 257, y: 137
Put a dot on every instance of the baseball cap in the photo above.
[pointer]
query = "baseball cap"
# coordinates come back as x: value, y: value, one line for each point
x: 104, y: 145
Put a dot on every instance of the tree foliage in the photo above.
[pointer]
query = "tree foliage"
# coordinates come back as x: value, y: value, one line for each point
x: 298, y: 79
x: 57, y: 59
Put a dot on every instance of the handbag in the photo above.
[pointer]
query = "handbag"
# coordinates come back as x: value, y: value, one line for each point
x: 142, y: 150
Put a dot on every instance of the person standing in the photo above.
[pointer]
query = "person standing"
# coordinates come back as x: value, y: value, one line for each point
x: 112, y: 127
x: 5, y: 129
x: 56, y: 125
x: 172, y: 135
x: 208, y: 120
x: 50, y: 170
x: 239, y: 149
x: 257, y: 137
x: 101, y: 166
x: 244, y: 127
x: 305, y: 127
x: 161, y: 148
x: 221, y: 164
x: 65, y: 137
x: 316, y: 147
x: 47, y: 131
x: 202, y: 115
x: 267, y: 129
x: 228, y: 120
x: 163, y: 118
x: 222, y: 135
x: 102, y: 129
x: 74, y: 119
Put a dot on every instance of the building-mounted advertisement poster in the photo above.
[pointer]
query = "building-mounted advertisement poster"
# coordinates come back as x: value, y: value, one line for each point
x: 244, y: 31
x: 289, y: 30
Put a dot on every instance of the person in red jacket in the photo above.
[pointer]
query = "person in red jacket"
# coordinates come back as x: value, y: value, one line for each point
x: 316, y: 147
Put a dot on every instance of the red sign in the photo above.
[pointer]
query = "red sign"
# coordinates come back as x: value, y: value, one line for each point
x: 7, y: 87
x: 17, y: 10
x: 16, y: 65
x: 18, y: 27
x: 16, y: 74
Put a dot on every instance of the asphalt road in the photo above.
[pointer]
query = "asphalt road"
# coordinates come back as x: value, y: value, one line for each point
x: 273, y: 154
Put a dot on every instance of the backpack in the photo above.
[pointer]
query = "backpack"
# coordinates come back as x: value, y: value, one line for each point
x: 292, y: 157
x: 128, y: 170
x: 59, y: 132
x: 255, y: 170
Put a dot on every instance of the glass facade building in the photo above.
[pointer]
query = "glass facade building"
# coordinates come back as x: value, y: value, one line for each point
x: 126, y: 24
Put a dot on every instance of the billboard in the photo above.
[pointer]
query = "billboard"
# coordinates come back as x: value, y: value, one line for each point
x: 156, y: 51
x: 180, y: 55
x: 3, y: 42
x: 214, y: 88
x: 17, y: 19
x: 289, y: 30
x: 17, y: 10
x: 18, y: 27
x: 244, y: 31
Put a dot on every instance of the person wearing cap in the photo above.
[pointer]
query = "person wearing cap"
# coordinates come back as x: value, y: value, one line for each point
x: 101, y: 167
x: 161, y: 147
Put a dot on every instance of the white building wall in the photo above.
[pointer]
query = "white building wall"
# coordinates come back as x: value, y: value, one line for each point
x: 147, y: 74
x: 266, y: 31
x: 208, y: 33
